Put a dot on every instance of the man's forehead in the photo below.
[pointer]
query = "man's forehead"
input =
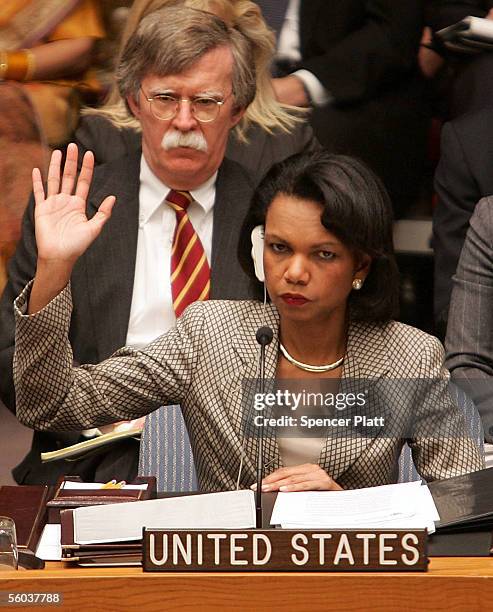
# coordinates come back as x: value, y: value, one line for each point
x: 214, y: 69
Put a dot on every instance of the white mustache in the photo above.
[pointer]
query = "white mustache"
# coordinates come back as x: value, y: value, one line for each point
x: 193, y: 140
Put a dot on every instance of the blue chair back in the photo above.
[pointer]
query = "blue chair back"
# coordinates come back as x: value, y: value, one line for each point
x: 165, y: 451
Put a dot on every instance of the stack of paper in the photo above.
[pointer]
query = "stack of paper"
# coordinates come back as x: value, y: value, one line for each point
x: 124, y: 522
x: 401, y: 506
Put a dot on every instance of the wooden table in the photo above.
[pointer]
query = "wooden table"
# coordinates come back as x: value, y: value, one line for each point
x: 451, y: 584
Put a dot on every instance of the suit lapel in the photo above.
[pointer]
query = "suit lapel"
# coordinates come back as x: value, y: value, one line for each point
x: 110, y: 262
x: 365, y: 363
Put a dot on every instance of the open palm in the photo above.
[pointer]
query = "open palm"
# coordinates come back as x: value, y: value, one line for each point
x: 63, y: 231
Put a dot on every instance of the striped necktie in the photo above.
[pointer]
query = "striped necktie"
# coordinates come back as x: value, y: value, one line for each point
x: 190, y: 273
x: 274, y: 12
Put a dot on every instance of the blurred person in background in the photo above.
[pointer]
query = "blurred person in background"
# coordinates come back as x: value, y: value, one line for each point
x: 466, y: 80
x: 354, y: 63
x: 45, y: 53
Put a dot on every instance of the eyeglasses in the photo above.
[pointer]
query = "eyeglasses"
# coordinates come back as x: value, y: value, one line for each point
x: 203, y: 108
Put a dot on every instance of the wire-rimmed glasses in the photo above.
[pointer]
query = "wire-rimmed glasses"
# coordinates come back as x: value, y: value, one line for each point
x: 165, y: 106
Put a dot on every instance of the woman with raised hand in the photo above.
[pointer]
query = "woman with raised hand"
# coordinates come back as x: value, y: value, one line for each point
x: 331, y: 279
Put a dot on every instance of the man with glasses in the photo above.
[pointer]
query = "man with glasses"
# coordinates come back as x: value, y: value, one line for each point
x: 173, y: 236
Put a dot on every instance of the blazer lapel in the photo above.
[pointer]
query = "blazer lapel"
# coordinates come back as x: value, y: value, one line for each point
x: 110, y: 262
x: 365, y: 363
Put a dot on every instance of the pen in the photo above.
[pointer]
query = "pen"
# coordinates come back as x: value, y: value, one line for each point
x: 109, y: 485
x: 112, y: 484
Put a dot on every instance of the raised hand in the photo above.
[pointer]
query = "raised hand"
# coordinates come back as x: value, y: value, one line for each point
x: 63, y: 231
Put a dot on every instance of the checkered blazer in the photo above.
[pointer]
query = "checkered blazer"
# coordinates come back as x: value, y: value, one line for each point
x: 201, y: 364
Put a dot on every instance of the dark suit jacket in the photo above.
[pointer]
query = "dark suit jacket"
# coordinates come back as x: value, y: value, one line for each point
x: 364, y: 53
x: 464, y: 175
x: 469, y: 342
x: 359, y: 48
x: 102, y: 284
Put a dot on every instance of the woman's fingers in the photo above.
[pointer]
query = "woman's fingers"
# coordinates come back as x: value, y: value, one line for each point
x: 286, y: 472
x: 70, y: 169
x: 53, y: 182
x: 38, y: 189
x: 68, y: 178
x: 85, y: 176
x: 310, y: 485
x: 103, y: 214
x: 306, y: 477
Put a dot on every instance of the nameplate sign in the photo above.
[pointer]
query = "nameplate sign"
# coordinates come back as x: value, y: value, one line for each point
x: 351, y: 550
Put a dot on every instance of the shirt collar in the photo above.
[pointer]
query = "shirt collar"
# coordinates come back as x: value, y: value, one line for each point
x: 153, y: 191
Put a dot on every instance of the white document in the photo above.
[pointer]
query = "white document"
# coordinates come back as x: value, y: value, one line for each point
x: 124, y: 522
x: 49, y: 546
x: 405, y: 505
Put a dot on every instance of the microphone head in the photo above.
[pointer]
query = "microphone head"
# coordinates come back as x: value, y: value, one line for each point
x: 264, y: 335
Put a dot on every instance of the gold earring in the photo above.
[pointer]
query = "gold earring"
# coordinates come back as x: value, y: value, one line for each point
x: 357, y: 284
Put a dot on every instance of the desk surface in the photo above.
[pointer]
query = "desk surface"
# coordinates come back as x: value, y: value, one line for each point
x: 451, y: 584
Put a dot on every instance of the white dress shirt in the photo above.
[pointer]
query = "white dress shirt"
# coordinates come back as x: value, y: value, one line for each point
x: 152, y: 313
x: 288, y: 47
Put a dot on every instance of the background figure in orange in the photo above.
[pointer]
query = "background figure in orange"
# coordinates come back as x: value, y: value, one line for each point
x: 45, y: 52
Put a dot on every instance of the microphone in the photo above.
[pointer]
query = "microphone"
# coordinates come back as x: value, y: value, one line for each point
x: 264, y: 337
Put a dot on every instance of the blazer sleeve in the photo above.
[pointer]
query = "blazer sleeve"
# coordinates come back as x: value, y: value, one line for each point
x: 22, y: 268
x: 54, y: 395
x: 458, y: 193
x: 441, y: 446
x: 370, y: 58
x: 469, y: 341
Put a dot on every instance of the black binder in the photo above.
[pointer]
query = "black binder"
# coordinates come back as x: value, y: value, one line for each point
x: 464, y: 502
x: 465, y: 505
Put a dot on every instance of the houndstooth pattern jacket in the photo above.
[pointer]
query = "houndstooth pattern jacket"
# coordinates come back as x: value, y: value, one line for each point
x: 201, y: 364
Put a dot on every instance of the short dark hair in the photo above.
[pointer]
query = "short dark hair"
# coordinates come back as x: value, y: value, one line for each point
x: 356, y: 209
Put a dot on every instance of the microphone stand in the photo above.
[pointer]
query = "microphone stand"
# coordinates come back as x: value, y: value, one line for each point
x: 264, y: 337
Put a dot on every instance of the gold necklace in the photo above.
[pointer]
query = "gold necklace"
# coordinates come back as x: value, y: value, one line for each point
x: 306, y: 366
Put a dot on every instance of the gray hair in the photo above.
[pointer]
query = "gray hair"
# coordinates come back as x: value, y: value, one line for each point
x: 171, y: 40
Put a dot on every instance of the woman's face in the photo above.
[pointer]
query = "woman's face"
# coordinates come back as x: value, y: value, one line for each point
x: 309, y: 272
